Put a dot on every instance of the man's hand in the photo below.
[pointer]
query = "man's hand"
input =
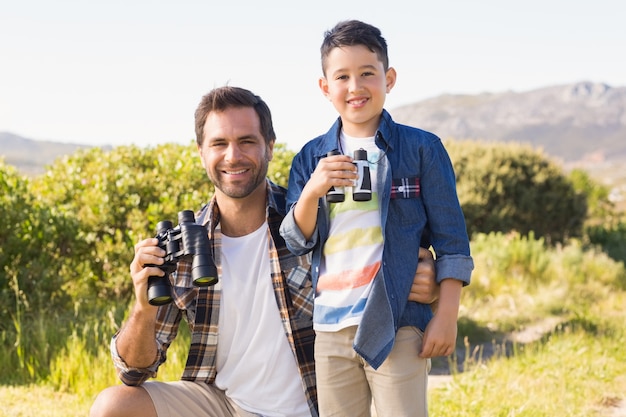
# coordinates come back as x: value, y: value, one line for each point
x: 146, y: 252
x: 424, y: 289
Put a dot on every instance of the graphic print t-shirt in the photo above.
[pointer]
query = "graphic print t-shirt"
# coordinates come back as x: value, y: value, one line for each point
x: 353, y: 252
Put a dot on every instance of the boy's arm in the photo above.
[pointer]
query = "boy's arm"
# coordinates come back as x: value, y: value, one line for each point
x: 332, y: 171
x: 440, y: 334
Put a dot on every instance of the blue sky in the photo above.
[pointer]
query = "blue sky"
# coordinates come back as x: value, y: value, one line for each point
x: 132, y: 71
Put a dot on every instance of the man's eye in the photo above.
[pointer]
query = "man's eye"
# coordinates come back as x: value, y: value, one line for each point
x: 251, y: 140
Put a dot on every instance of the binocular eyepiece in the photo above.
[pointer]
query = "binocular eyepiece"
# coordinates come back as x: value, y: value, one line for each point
x: 189, y: 241
x: 362, y: 191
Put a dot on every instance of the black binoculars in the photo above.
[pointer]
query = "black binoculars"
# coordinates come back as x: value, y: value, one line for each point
x: 362, y: 191
x: 188, y: 240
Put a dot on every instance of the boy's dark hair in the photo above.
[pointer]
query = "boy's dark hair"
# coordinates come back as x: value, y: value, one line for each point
x: 351, y: 33
x: 222, y: 98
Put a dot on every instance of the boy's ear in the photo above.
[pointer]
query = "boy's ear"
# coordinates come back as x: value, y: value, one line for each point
x: 390, y: 78
x: 323, y: 84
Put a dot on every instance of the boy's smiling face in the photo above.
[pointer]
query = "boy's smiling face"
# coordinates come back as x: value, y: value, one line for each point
x: 356, y: 83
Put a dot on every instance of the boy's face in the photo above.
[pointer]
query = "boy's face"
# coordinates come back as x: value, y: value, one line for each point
x: 356, y: 83
x: 234, y: 153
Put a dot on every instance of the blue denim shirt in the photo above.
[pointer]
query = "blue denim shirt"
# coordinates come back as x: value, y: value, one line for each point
x: 418, y: 206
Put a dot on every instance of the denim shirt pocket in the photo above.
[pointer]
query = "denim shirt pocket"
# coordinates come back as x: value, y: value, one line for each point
x: 406, y: 204
x: 405, y: 188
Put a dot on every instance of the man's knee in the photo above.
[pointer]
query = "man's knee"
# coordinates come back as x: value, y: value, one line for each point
x: 122, y: 400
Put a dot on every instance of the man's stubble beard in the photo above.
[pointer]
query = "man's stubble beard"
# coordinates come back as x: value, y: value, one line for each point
x: 244, y: 190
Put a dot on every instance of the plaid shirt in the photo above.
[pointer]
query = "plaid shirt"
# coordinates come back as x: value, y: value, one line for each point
x: 291, y: 279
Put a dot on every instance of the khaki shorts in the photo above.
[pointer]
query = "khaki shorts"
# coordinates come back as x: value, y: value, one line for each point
x: 348, y: 386
x: 192, y: 399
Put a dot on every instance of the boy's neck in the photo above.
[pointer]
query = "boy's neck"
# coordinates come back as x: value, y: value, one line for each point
x: 361, y: 130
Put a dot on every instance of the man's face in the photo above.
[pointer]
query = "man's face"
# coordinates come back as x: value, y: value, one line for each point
x: 234, y: 152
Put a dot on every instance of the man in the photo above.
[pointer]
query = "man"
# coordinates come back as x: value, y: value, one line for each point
x: 260, y: 311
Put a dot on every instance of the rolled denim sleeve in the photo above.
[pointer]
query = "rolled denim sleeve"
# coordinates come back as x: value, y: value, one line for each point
x: 301, y: 169
x: 294, y: 239
x: 454, y: 266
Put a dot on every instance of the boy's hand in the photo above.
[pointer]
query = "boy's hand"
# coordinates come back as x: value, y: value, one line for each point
x: 332, y: 171
x: 439, y: 337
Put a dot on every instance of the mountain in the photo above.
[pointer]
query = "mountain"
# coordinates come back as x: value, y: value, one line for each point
x: 31, y: 156
x: 573, y: 122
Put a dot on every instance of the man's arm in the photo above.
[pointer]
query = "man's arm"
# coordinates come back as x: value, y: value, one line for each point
x: 136, y: 342
x: 425, y: 289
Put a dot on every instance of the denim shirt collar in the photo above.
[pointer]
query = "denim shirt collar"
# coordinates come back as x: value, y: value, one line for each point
x: 384, y: 136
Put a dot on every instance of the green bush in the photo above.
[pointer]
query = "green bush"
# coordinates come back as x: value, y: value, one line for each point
x: 611, y: 238
x: 510, y: 187
x: 39, y: 251
x: 118, y: 197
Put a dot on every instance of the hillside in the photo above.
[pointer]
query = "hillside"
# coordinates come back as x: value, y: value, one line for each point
x: 581, y: 125
x: 573, y: 122
x: 31, y: 156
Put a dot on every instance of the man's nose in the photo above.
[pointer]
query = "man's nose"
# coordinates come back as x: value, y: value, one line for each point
x: 233, y: 153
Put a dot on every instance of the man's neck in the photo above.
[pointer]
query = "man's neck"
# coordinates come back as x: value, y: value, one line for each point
x: 242, y: 216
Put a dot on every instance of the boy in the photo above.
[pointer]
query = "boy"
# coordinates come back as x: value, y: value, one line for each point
x: 370, y: 342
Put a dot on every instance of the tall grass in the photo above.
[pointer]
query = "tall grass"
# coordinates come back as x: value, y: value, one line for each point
x: 575, y: 369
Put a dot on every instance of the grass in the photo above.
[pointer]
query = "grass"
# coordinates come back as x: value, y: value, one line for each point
x: 576, y: 366
x: 577, y: 370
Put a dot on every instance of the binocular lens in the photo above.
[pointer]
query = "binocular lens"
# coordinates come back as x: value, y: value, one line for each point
x: 159, y: 292
x: 203, y: 270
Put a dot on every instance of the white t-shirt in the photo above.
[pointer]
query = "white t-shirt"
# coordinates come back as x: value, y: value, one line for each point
x: 255, y: 365
x: 352, y: 255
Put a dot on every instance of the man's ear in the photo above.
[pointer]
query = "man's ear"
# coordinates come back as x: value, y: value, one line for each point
x: 269, y: 154
x: 200, y: 155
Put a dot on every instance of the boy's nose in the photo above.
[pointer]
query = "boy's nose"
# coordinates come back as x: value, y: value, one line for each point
x: 354, y: 85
